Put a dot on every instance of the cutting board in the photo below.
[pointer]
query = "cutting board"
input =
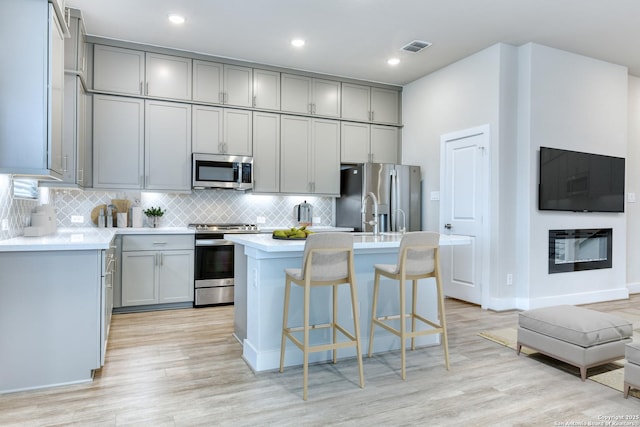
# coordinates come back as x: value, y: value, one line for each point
x: 96, y: 212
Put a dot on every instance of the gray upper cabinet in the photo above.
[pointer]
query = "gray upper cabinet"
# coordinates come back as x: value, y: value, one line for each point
x: 356, y: 102
x: 75, y: 47
x: 168, y: 76
x: 219, y: 130
x: 118, y: 70
x: 385, y: 106
x: 118, y: 142
x: 266, y: 152
x: 76, y: 142
x: 266, y: 89
x: 238, y: 86
x: 217, y: 83
x: 132, y: 72
x: 306, y: 95
x: 370, y: 104
x: 167, y: 146
x: 32, y: 85
x: 309, y: 155
x: 362, y: 143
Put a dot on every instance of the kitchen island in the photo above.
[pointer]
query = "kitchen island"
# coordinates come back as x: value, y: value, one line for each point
x: 260, y: 261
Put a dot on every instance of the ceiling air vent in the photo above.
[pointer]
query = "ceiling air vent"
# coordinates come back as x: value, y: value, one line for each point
x: 416, y: 46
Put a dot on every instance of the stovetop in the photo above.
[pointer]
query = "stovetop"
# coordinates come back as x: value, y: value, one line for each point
x: 225, y: 227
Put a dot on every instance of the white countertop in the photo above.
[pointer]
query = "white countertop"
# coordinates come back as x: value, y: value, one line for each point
x: 74, y: 239
x: 315, y: 228
x: 265, y: 242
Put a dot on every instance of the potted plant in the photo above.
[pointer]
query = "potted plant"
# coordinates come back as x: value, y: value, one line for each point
x: 154, y: 215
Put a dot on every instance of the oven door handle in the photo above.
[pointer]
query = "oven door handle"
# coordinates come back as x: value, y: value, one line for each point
x: 213, y: 242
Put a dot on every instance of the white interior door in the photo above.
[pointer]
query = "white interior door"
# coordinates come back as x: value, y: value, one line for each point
x: 463, y: 204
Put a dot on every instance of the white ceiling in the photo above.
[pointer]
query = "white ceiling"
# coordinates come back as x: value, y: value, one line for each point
x: 354, y: 38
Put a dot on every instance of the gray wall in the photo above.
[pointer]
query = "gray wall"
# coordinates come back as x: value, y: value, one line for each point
x: 529, y: 96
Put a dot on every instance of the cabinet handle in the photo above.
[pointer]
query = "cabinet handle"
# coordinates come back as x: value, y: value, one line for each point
x: 66, y: 161
x: 159, y: 243
x: 141, y: 87
x: 147, y: 90
x: 161, y: 259
x: 155, y: 259
x: 254, y: 101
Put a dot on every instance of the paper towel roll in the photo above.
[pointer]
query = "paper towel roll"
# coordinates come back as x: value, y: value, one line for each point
x: 136, y: 217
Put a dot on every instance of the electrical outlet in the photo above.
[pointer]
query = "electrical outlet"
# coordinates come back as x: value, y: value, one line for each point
x: 509, y: 279
x: 261, y: 220
x: 77, y: 219
x: 5, y: 224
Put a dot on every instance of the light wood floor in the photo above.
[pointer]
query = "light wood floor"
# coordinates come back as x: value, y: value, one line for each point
x: 183, y: 368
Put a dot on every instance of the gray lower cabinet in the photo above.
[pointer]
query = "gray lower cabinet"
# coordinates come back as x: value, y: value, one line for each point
x: 157, y: 269
x: 53, y: 317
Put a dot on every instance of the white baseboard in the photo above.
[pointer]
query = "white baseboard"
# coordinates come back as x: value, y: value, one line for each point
x: 634, y: 288
x: 577, y: 299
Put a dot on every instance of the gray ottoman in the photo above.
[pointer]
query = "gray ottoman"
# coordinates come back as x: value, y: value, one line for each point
x: 632, y: 368
x: 575, y: 335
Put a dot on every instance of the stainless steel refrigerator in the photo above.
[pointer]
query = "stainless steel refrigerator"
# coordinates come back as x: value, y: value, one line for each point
x: 397, y: 190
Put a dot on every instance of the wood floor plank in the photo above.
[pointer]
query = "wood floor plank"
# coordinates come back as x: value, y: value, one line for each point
x: 184, y: 368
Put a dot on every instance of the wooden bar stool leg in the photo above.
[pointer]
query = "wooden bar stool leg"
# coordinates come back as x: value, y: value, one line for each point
x: 285, y: 319
x: 334, y: 319
x: 374, y: 306
x: 414, y: 298
x: 402, y: 327
x: 356, y: 326
x: 305, y: 368
x: 443, y: 322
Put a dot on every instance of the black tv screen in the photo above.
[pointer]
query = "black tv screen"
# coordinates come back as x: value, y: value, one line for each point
x: 580, y: 182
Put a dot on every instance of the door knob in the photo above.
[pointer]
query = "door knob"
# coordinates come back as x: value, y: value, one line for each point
x: 447, y: 226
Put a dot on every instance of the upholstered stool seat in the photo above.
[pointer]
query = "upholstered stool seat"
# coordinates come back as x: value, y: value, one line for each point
x: 632, y: 368
x: 328, y: 261
x: 575, y: 335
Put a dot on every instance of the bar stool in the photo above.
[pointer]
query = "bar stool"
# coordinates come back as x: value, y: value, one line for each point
x: 328, y: 261
x: 418, y: 258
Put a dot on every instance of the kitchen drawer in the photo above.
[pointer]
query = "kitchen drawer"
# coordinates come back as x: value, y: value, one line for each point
x: 157, y: 242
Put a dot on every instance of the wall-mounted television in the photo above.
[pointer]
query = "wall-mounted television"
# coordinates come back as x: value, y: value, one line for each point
x: 580, y: 182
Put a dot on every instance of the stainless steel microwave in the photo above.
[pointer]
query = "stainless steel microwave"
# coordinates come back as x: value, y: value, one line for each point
x: 222, y: 171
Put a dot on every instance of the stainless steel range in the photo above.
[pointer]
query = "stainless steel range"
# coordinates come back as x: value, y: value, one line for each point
x: 213, y: 270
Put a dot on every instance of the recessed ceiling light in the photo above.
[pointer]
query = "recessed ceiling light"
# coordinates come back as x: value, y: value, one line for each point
x: 176, y: 19
x: 393, y: 61
x: 297, y: 42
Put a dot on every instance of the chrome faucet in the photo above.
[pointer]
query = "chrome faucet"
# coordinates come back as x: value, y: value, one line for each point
x: 374, y: 200
x: 404, y: 221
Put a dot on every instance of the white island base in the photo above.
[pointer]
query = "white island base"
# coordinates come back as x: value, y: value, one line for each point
x: 259, y: 296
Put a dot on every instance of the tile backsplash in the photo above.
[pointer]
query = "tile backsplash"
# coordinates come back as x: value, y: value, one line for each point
x: 214, y: 206
x: 14, y: 211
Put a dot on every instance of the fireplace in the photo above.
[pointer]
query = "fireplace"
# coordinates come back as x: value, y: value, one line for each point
x: 577, y: 250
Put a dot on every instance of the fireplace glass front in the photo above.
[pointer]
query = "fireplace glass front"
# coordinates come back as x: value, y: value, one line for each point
x: 577, y: 250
